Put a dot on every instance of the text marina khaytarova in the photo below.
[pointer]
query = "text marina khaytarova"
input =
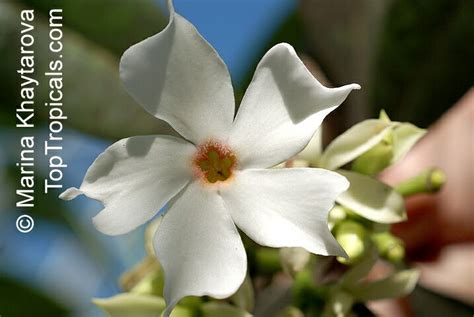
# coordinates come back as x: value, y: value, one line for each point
x: 26, y: 110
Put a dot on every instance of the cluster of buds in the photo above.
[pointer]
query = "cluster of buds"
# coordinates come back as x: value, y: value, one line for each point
x: 361, y: 220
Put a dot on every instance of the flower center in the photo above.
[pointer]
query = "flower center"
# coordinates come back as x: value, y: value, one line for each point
x: 214, y: 162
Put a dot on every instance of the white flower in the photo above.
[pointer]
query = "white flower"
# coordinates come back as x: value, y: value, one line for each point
x: 215, y: 177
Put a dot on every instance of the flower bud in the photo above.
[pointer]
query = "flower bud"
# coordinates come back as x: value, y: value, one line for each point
x: 354, y: 239
x: 336, y: 214
x: 389, y: 247
x: 377, y: 158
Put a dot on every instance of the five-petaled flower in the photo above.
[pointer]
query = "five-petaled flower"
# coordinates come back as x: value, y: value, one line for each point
x: 217, y: 176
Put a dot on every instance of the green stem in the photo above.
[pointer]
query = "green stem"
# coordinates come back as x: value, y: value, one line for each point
x: 428, y: 181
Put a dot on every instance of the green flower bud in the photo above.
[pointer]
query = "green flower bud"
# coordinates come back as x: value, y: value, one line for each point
x: 389, y: 247
x: 354, y: 239
x: 337, y: 214
x: 377, y: 158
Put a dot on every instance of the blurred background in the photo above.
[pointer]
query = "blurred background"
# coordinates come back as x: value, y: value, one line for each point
x: 414, y: 58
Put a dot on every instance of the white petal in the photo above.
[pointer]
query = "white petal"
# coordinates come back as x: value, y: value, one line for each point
x: 282, y: 108
x: 199, y: 247
x: 178, y: 77
x: 286, y: 207
x: 372, y: 199
x: 354, y: 142
x: 134, y: 178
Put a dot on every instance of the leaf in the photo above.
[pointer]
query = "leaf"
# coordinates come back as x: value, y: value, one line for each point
x: 354, y: 142
x: 215, y: 309
x: 405, y: 137
x: 136, y: 305
x: 396, y: 285
x: 372, y: 199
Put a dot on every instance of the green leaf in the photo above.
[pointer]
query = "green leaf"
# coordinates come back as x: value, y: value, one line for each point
x: 136, y: 305
x: 372, y: 199
x: 215, y: 309
x: 354, y: 142
x: 396, y: 285
x: 405, y: 137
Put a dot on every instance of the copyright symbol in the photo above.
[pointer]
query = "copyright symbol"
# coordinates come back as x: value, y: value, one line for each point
x: 25, y: 224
